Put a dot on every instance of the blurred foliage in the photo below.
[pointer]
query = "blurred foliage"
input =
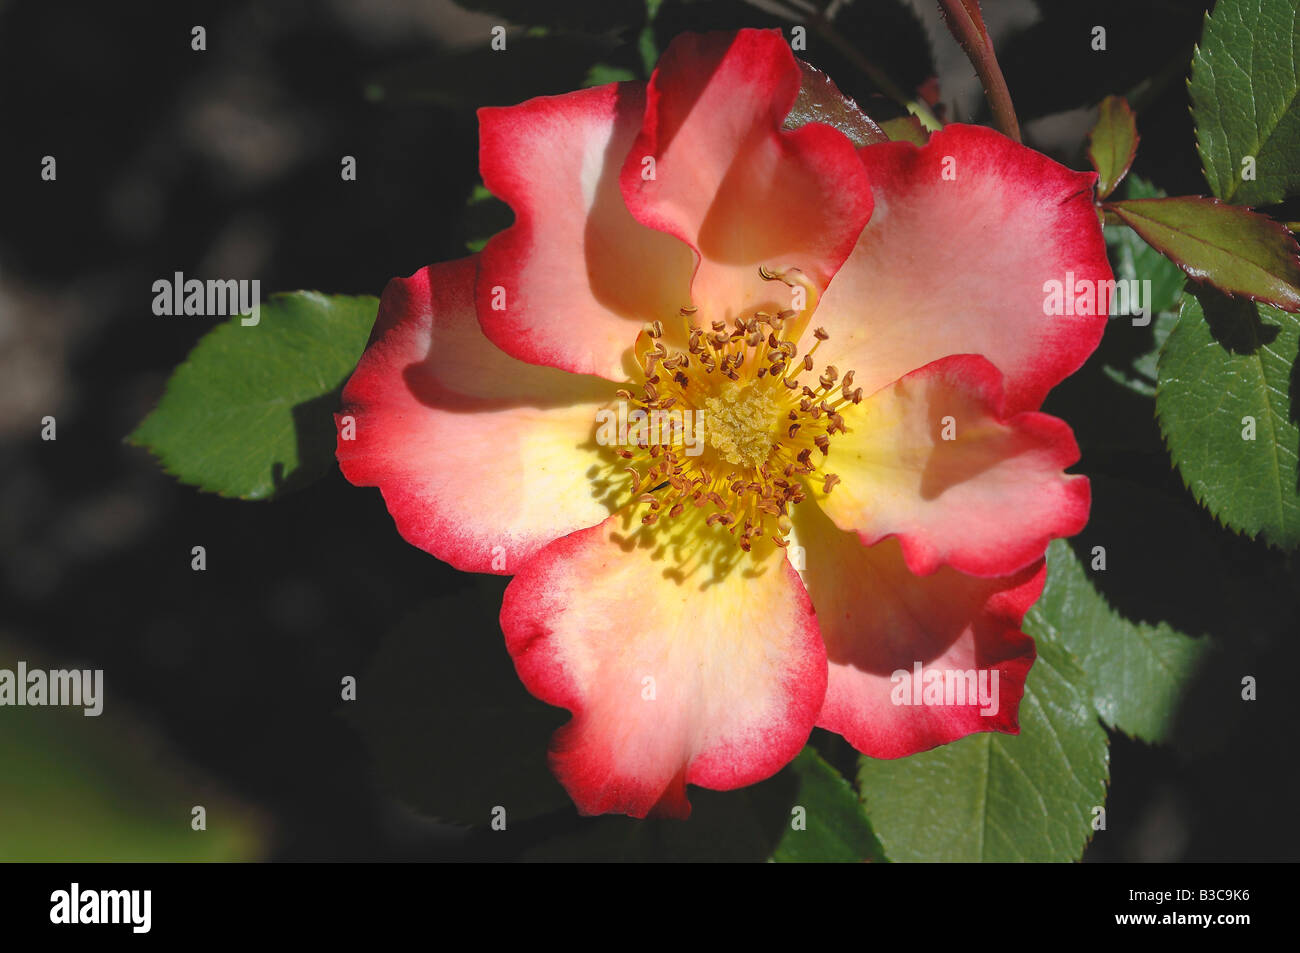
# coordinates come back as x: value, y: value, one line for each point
x: 100, y: 788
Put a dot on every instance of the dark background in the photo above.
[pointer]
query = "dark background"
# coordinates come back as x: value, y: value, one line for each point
x: 226, y: 682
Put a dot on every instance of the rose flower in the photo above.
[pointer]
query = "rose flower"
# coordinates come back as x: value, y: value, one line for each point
x: 750, y: 414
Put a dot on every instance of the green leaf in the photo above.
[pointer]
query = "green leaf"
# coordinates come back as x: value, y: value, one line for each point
x: 1238, y: 251
x: 645, y: 42
x: 837, y: 829
x: 906, y: 129
x: 249, y: 412
x: 997, y: 797
x: 600, y: 74
x: 1245, y: 91
x: 451, y: 729
x: 1227, y: 360
x: 1137, y: 672
x: 751, y: 824
x: 1113, y: 143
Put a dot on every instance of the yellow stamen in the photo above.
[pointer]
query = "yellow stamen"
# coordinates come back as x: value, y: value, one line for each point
x: 744, y: 426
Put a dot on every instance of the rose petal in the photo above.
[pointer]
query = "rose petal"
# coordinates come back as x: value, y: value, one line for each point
x: 987, y: 501
x: 727, y: 179
x: 481, y: 459
x: 879, y: 619
x: 958, y: 265
x: 570, y: 283
x: 730, y: 651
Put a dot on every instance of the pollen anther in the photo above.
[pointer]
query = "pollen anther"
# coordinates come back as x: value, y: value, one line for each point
x: 755, y: 424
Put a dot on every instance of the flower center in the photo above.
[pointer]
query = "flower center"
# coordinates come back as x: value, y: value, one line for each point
x: 740, y: 422
x: 728, y: 423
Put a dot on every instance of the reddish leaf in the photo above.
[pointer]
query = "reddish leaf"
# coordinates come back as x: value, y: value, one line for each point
x: 820, y: 100
x: 1238, y: 251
